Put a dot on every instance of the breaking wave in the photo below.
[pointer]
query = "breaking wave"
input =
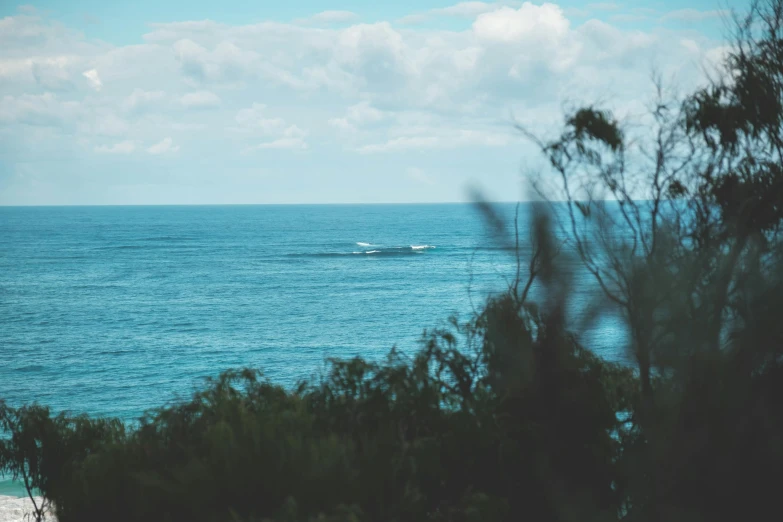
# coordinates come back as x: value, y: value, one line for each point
x: 394, y: 251
x: 368, y: 249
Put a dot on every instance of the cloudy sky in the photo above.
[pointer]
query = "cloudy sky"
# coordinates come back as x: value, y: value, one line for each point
x: 345, y: 101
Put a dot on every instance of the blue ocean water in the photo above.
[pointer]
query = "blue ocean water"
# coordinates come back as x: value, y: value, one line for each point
x: 113, y: 310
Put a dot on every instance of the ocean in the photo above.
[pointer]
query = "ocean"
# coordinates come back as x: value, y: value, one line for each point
x: 114, y: 310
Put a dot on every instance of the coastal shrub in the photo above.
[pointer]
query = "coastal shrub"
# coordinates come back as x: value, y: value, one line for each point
x: 40, y: 450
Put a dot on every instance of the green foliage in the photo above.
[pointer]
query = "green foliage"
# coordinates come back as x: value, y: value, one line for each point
x: 40, y: 450
x: 589, y: 123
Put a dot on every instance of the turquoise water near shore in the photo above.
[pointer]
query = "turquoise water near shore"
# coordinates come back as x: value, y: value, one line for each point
x: 113, y: 310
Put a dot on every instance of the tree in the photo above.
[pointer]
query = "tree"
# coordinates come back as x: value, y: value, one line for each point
x: 696, y: 272
x: 21, y: 452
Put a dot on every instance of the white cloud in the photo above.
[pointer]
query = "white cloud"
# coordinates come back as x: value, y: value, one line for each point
x: 140, y: 99
x: 283, y: 143
x: 356, y: 87
x: 94, y: 79
x: 403, y: 143
x: 166, y: 145
x: 690, y: 45
x: 442, y: 70
x: 717, y: 56
x: 50, y: 73
x: 439, y: 139
x: 628, y: 17
x: 292, y: 131
x: 254, y: 117
x: 255, y: 121
x: 363, y: 113
x: 342, y: 124
x: 692, y: 15
x: 45, y: 110
x: 123, y: 147
x: 357, y: 116
x: 529, y: 22
x: 104, y: 122
x: 466, y: 9
x: 200, y: 100
x: 227, y: 62
x: 413, y: 19
x: 330, y: 17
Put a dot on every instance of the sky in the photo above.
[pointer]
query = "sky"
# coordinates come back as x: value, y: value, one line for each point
x: 340, y: 101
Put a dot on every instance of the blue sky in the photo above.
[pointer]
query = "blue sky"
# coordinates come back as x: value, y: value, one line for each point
x: 196, y: 102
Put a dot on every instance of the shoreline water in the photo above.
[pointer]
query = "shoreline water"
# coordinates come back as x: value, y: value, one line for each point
x: 17, y: 509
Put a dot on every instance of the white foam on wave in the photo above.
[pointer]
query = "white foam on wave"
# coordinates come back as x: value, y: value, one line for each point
x: 373, y: 252
x: 362, y: 244
x: 421, y: 247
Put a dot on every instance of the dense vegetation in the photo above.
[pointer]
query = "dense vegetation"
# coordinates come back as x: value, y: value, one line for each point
x: 506, y: 416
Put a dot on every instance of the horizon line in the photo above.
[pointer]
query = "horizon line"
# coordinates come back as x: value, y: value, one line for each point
x: 343, y: 204
x: 258, y: 204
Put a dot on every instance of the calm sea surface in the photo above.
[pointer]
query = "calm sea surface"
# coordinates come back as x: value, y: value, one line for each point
x: 113, y: 310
